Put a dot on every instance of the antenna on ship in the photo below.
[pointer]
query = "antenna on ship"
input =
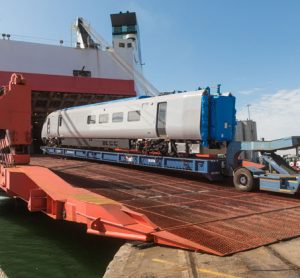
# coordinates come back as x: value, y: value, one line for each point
x: 88, y: 38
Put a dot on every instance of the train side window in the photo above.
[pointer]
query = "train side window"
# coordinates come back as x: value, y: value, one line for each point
x: 161, y: 118
x: 103, y: 118
x: 134, y: 116
x: 117, y: 117
x: 91, y: 119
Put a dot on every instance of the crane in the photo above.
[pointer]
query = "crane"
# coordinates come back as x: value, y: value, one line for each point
x: 90, y: 36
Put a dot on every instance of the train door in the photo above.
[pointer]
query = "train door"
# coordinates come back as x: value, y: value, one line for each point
x: 59, y: 123
x: 48, y: 126
x: 161, y: 119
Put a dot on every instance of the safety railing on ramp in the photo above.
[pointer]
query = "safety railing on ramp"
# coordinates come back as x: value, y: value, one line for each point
x: 7, y: 160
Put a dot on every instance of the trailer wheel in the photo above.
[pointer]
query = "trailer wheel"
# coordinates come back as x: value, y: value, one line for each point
x: 243, y: 180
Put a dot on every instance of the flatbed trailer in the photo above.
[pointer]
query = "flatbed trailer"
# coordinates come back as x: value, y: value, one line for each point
x: 212, y: 169
x: 275, y: 175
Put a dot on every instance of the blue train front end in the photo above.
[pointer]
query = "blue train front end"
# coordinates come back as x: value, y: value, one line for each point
x: 218, y: 119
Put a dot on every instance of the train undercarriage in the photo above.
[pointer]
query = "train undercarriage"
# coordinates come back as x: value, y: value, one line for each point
x: 162, y: 147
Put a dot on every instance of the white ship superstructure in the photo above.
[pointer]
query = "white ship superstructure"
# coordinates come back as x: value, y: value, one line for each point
x: 57, y: 67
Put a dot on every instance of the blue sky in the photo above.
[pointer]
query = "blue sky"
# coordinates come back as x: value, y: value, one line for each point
x: 251, y: 47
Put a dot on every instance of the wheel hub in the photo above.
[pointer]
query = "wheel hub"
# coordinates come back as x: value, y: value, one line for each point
x: 243, y: 180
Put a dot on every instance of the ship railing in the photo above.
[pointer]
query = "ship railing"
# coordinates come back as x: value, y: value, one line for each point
x: 6, y: 152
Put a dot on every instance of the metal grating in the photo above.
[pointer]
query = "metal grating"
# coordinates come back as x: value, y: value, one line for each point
x: 214, y: 217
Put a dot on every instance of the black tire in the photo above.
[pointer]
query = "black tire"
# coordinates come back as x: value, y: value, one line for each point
x: 243, y: 180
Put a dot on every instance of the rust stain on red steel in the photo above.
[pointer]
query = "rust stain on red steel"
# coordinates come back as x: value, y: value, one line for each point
x: 192, y: 213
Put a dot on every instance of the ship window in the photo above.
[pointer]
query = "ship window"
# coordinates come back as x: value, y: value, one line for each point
x: 129, y: 45
x: 117, y: 117
x: 103, y: 118
x: 121, y: 44
x: 131, y: 28
x: 118, y: 29
x: 91, y: 119
x: 161, y: 118
x: 133, y: 116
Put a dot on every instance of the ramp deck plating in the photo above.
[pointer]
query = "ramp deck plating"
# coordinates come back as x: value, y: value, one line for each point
x: 216, y: 217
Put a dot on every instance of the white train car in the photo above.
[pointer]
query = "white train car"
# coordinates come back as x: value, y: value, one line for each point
x: 170, y: 124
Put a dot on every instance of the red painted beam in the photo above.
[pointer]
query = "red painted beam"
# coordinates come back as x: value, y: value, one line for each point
x: 72, y: 84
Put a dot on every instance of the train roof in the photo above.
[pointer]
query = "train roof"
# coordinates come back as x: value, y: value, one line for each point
x: 106, y: 102
x: 132, y: 98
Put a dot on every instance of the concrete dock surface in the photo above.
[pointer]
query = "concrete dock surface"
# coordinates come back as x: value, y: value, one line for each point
x: 277, y: 260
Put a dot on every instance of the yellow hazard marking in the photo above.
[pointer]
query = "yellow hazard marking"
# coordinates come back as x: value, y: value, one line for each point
x: 162, y: 261
x: 278, y: 190
x: 177, y: 268
x: 202, y: 270
x: 219, y: 274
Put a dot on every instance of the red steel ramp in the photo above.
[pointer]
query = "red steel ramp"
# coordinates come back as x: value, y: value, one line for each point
x: 45, y: 191
x: 190, y: 213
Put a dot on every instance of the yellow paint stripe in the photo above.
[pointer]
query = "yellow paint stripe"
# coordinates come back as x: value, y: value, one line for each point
x: 285, y: 190
x: 162, y: 261
x: 278, y: 190
x: 219, y: 274
x: 177, y: 268
x: 202, y: 270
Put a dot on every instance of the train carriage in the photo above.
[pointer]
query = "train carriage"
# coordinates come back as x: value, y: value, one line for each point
x: 169, y: 124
